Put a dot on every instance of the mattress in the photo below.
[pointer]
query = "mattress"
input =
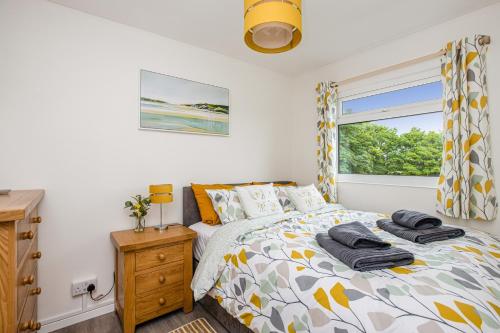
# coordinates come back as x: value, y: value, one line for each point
x: 205, y: 232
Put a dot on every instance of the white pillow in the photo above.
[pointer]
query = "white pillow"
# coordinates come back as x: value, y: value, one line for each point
x: 306, y: 198
x: 259, y: 200
x: 227, y: 205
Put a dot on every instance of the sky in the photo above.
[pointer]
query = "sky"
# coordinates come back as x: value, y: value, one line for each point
x: 421, y: 93
x: 426, y: 122
x: 179, y: 91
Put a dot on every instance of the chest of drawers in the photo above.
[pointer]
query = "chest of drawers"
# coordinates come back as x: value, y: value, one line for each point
x: 19, y: 255
x: 153, y: 273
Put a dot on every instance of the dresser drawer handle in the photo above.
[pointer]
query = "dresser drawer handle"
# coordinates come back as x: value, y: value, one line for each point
x: 161, y: 301
x: 35, y: 326
x: 161, y: 279
x: 37, y: 219
x: 161, y: 256
x: 29, y: 280
x: 27, y: 235
x: 24, y: 326
x: 30, y: 325
x: 36, y: 291
x: 37, y: 255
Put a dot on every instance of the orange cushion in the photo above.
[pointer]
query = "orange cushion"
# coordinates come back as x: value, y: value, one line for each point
x: 274, y: 184
x: 207, y: 212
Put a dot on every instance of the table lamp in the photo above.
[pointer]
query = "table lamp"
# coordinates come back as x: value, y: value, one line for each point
x: 161, y: 194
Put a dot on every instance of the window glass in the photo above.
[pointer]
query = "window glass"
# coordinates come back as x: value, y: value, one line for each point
x: 422, y: 93
x: 406, y: 146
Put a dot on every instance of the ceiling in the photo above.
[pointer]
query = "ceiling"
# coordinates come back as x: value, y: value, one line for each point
x: 332, y: 30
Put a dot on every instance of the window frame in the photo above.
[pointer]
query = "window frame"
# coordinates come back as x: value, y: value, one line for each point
x: 419, y: 108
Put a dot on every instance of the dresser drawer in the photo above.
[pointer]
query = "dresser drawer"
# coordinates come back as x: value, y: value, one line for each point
x: 26, y: 279
x: 158, y: 256
x: 26, y: 232
x: 28, y: 321
x: 165, y: 299
x: 167, y: 275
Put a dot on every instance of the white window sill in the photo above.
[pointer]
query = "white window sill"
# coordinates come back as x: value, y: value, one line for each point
x: 398, y: 181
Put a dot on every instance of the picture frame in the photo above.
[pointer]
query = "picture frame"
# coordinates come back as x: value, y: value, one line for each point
x: 173, y: 104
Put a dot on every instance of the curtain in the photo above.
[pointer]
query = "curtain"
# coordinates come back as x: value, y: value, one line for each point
x: 327, y: 155
x: 466, y: 185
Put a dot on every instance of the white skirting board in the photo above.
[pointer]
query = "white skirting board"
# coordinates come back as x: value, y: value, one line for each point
x: 76, y: 316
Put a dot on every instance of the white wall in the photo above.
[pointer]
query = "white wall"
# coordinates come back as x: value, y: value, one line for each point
x: 389, y: 198
x: 69, y: 85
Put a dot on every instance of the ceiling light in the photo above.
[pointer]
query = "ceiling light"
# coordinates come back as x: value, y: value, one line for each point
x: 273, y: 26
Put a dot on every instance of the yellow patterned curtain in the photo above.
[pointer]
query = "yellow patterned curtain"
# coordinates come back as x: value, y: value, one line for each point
x: 466, y: 186
x: 327, y: 113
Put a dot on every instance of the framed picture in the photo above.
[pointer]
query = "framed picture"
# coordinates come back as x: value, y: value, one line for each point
x: 173, y: 104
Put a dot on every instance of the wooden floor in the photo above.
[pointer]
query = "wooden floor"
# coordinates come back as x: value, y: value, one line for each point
x: 110, y: 323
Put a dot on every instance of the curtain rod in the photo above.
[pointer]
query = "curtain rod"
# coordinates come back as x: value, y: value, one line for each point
x: 483, y: 40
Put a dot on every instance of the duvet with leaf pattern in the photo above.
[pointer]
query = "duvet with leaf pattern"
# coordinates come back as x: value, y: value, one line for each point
x: 272, y: 275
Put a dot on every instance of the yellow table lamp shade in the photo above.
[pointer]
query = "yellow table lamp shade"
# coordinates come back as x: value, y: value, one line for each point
x: 160, y: 194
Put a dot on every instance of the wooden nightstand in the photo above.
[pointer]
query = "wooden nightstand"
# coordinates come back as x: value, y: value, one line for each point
x: 153, y: 273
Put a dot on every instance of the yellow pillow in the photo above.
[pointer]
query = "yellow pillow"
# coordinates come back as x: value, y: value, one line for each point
x: 207, y: 212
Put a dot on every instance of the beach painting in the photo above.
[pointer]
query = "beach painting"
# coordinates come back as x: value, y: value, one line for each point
x: 173, y: 104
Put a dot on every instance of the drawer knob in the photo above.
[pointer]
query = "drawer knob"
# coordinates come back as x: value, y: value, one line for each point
x: 161, y: 279
x: 37, y: 255
x: 161, y: 256
x: 29, y: 280
x: 27, y: 235
x: 37, y: 219
x: 161, y: 301
x: 36, y: 291
x: 35, y: 326
x: 24, y: 326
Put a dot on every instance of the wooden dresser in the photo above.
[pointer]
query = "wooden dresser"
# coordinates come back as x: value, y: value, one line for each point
x: 153, y: 273
x: 18, y: 261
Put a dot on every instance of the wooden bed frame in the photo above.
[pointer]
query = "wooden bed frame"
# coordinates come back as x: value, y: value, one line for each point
x: 191, y: 215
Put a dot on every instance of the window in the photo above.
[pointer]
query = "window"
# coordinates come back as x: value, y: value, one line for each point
x: 395, y: 131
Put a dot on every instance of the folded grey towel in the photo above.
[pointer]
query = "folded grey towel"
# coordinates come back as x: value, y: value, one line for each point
x: 356, y: 236
x: 421, y: 236
x: 365, y: 259
x: 415, y: 220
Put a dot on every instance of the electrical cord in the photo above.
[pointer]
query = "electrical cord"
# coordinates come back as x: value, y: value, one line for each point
x: 91, y: 289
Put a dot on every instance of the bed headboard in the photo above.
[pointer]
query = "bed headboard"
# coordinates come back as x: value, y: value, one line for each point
x: 190, y: 211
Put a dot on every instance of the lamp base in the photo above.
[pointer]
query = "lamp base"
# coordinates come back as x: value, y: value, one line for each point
x: 161, y: 227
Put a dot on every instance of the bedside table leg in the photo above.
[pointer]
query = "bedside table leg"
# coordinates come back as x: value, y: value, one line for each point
x: 188, y: 275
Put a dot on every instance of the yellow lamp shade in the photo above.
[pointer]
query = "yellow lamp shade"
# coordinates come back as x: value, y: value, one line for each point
x: 161, y: 193
x: 273, y: 26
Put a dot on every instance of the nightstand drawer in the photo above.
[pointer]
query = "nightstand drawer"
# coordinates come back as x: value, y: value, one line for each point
x: 162, y: 300
x: 171, y: 273
x: 158, y: 256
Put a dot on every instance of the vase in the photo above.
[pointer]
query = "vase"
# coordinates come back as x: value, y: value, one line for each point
x: 141, y: 224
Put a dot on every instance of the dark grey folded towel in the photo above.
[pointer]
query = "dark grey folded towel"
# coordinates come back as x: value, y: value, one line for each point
x: 365, y: 259
x: 415, y: 220
x: 356, y: 236
x: 421, y: 236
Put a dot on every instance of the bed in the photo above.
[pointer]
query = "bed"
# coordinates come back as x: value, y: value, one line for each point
x: 270, y: 275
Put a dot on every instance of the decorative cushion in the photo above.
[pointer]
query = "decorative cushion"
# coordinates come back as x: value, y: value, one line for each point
x: 227, y: 205
x: 284, y: 199
x: 259, y: 200
x: 207, y: 212
x: 306, y: 198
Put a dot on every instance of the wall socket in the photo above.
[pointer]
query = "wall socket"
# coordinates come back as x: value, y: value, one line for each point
x: 80, y: 287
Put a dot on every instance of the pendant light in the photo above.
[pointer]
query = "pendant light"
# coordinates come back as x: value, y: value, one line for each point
x: 273, y: 26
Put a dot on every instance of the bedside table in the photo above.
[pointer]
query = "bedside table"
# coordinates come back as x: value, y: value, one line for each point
x: 153, y: 272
